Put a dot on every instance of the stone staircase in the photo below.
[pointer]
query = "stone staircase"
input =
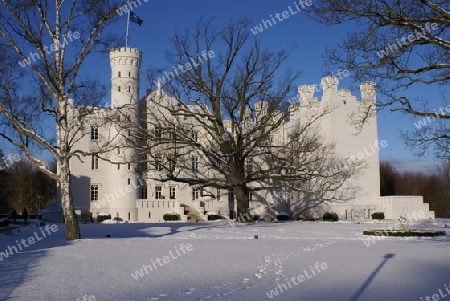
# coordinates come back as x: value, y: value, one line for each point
x: 194, y: 215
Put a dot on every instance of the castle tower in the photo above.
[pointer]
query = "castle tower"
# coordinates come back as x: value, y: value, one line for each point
x: 125, y: 64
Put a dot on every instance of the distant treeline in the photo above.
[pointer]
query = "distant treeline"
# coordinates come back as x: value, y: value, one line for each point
x: 22, y: 186
x: 435, y: 188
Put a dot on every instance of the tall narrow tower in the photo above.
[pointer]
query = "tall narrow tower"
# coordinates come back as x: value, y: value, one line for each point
x: 125, y: 64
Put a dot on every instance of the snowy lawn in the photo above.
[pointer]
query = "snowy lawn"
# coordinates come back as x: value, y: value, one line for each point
x: 214, y: 261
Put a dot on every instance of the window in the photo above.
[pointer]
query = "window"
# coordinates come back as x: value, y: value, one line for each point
x: 249, y: 167
x: 94, y: 133
x: 129, y: 88
x: 158, y: 163
x: 194, y: 164
x: 158, y: 133
x: 94, y: 193
x: 194, y: 136
x: 250, y: 196
x: 118, y: 88
x: 129, y: 166
x: 94, y: 162
x: 158, y: 192
x: 118, y: 150
x: 230, y: 196
x: 269, y: 140
x: 143, y: 193
x: 118, y: 166
x: 218, y: 194
x: 195, y: 193
x: 171, y: 164
x: 119, y: 74
x: 129, y: 73
x: 149, y: 215
x: 172, y: 193
x: 129, y: 181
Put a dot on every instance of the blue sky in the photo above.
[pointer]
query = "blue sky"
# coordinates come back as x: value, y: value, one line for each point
x: 163, y: 18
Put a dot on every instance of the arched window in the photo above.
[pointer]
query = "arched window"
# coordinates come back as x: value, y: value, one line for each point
x: 119, y: 74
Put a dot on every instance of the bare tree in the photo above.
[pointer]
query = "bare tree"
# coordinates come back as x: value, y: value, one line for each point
x: 221, y: 121
x: 47, y: 44
x: 400, y: 45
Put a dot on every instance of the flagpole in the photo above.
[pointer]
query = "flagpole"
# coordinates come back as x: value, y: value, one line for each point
x: 128, y: 24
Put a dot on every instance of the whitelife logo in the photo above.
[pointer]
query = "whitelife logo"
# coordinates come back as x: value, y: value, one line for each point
x: 181, y: 250
x: 319, y: 267
x: 11, y: 250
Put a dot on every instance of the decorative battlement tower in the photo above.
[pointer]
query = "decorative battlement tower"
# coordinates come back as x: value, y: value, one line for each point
x: 125, y: 65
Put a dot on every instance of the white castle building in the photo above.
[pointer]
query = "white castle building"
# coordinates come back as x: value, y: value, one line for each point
x: 103, y: 186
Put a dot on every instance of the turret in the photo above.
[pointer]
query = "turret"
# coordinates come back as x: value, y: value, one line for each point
x: 125, y: 64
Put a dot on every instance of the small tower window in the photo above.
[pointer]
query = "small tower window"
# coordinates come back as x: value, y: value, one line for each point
x: 129, y: 73
x: 129, y: 88
x: 94, y: 133
x: 94, y: 193
x: 119, y: 74
x: 118, y: 88
x: 94, y: 162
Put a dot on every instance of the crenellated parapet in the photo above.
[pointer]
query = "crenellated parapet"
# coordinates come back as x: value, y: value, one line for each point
x: 306, y: 93
x: 125, y: 56
x: 331, y: 93
x: 368, y: 92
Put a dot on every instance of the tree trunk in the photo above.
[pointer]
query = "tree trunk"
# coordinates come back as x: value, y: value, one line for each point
x: 243, y: 212
x: 70, y: 218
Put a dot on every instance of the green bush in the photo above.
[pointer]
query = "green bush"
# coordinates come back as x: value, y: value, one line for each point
x: 378, y: 215
x: 171, y: 217
x: 101, y: 218
x: 282, y: 217
x: 213, y: 217
x: 330, y: 217
x: 415, y: 233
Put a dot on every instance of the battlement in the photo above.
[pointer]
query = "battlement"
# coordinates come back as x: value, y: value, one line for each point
x: 125, y: 56
x: 126, y: 50
x: 330, y: 91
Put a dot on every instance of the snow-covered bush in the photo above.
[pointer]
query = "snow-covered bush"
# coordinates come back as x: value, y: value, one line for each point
x: 213, y: 217
x: 283, y: 216
x: 378, y: 215
x: 330, y: 217
x: 101, y: 218
x: 170, y: 216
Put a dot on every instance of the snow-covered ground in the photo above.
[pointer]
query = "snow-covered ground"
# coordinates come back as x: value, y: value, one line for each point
x: 215, y: 261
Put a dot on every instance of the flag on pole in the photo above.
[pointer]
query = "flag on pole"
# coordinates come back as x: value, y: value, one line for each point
x: 134, y: 18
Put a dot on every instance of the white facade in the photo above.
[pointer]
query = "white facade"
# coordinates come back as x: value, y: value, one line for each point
x: 105, y: 186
